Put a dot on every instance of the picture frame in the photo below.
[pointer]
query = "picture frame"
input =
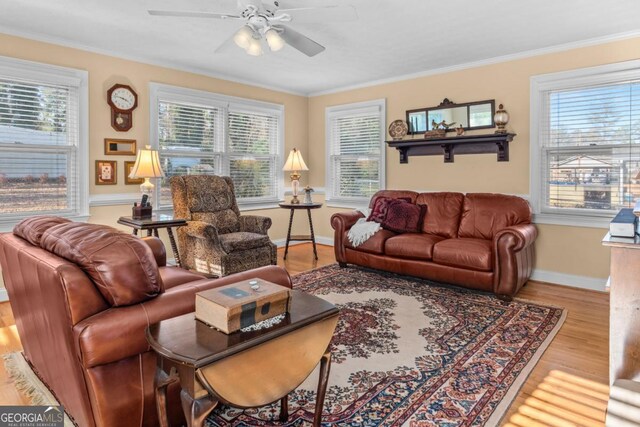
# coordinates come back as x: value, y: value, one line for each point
x: 106, y: 172
x: 119, y: 147
x: 128, y: 165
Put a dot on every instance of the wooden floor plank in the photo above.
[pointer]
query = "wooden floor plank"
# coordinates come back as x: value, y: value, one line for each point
x: 573, y: 372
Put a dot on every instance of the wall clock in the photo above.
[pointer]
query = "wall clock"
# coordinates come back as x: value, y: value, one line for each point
x: 122, y: 100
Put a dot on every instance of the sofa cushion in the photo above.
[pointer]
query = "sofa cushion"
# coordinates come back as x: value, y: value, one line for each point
x: 380, y: 206
x: 32, y: 228
x: 374, y: 244
x: 242, y: 241
x: 122, y: 266
x: 411, y: 245
x: 443, y: 215
x: 403, y: 217
x: 474, y: 254
x: 394, y: 194
x: 484, y: 214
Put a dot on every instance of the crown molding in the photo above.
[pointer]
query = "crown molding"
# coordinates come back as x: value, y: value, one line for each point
x: 483, y: 62
x: 141, y: 59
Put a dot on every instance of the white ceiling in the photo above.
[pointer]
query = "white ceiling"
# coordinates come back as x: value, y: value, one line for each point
x: 390, y: 38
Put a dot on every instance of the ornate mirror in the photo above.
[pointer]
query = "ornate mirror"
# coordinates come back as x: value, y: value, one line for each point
x: 471, y: 115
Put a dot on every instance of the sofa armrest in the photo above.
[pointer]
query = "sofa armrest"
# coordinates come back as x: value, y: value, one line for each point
x: 341, y: 222
x: 158, y: 249
x: 201, y: 230
x: 119, y: 332
x: 255, y: 224
x: 513, y: 252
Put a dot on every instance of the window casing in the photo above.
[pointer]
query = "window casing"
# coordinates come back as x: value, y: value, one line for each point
x: 199, y: 132
x: 355, y: 152
x: 585, y: 144
x: 43, y: 141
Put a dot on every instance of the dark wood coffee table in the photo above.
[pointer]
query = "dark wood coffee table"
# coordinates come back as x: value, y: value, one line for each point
x: 243, y: 369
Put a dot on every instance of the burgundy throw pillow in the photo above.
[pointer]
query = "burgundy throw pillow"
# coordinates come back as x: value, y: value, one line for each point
x: 404, y: 217
x: 31, y: 229
x: 380, y: 205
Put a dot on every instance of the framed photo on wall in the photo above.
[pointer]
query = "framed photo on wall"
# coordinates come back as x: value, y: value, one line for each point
x: 106, y: 172
x: 119, y: 147
x: 128, y: 165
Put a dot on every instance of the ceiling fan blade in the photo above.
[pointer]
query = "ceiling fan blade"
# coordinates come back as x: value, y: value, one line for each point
x: 320, y: 14
x: 193, y: 14
x: 300, y: 42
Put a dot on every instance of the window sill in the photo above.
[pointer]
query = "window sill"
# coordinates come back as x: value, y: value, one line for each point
x: 7, y: 225
x: 347, y: 204
x: 572, y: 220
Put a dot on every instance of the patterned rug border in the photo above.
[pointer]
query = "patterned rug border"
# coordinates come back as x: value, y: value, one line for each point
x: 503, y: 407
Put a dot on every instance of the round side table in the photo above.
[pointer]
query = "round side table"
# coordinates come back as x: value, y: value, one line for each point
x: 300, y: 238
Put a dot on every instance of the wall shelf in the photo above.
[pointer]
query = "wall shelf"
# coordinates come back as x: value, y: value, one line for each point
x: 449, y: 146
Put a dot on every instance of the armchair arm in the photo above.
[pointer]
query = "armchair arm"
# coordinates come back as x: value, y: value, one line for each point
x: 201, y: 230
x: 157, y: 247
x: 119, y: 332
x: 341, y: 222
x: 513, y: 249
x: 255, y: 224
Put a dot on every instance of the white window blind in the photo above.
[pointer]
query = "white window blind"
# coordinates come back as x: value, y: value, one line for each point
x: 204, y: 133
x: 355, y: 147
x: 41, y: 149
x: 589, y: 140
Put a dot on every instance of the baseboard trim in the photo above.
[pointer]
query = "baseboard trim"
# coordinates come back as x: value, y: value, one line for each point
x: 4, y: 296
x: 574, y: 281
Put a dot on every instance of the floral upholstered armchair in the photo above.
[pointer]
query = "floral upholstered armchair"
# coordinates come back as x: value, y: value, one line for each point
x: 217, y: 239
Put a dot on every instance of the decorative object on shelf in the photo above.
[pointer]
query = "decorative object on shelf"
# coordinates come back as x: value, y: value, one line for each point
x: 295, y: 163
x: 307, y: 195
x: 119, y: 147
x: 398, y: 129
x: 448, y: 146
x: 128, y: 167
x: 501, y: 118
x: 470, y: 115
x: 106, y: 172
x: 460, y: 130
x: 438, y: 129
x: 123, y: 100
x: 147, y: 166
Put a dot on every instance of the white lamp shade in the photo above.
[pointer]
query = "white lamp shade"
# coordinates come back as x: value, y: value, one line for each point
x: 243, y: 37
x: 147, y: 164
x: 295, y: 162
x: 274, y: 40
x: 255, y: 47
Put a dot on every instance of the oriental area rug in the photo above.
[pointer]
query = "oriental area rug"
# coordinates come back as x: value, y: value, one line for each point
x: 410, y: 352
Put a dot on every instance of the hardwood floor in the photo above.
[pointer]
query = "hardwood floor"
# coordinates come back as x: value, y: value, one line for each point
x: 568, y: 387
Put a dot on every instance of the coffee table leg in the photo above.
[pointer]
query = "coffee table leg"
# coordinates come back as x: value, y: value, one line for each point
x: 162, y: 382
x: 197, y: 410
x: 284, y: 409
x: 286, y: 246
x: 325, y: 367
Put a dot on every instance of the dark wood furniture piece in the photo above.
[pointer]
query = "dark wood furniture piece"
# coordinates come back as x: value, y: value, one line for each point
x: 448, y: 146
x: 243, y: 369
x: 153, y: 225
x: 624, y: 309
x: 301, y: 238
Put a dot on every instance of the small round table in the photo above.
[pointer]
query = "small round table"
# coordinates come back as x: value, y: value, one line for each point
x: 304, y: 238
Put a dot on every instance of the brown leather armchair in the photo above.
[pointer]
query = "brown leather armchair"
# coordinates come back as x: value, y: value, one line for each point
x: 90, y: 352
x: 217, y: 239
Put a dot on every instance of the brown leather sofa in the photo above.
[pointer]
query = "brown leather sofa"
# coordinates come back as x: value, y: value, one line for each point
x: 89, y: 350
x: 481, y: 241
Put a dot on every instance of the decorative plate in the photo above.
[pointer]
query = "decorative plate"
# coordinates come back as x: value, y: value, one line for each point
x: 398, y: 129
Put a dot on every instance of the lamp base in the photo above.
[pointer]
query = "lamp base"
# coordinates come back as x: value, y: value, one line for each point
x: 295, y: 200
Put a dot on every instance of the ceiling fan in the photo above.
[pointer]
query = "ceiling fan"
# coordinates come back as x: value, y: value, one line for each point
x: 264, y: 20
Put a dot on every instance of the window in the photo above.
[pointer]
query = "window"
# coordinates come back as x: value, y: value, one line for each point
x: 585, y: 143
x: 43, y: 141
x: 205, y: 133
x: 355, y: 152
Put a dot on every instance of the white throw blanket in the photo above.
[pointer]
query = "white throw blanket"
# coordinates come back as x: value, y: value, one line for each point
x: 363, y: 229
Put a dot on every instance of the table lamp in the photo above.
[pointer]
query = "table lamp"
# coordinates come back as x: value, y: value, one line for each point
x: 147, y: 166
x: 295, y: 164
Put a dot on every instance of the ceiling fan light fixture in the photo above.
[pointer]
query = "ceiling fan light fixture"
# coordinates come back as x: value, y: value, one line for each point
x: 255, y: 47
x: 274, y: 40
x: 244, y: 36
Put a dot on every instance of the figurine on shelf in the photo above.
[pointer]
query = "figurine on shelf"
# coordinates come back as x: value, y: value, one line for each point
x: 460, y: 130
x: 307, y: 195
x: 443, y: 124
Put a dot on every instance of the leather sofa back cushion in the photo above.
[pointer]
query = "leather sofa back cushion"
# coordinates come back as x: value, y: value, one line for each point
x: 122, y: 266
x: 443, y: 217
x: 32, y: 228
x: 380, y: 205
x: 393, y: 194
x: 485, y: 214
x: 404, y: 217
